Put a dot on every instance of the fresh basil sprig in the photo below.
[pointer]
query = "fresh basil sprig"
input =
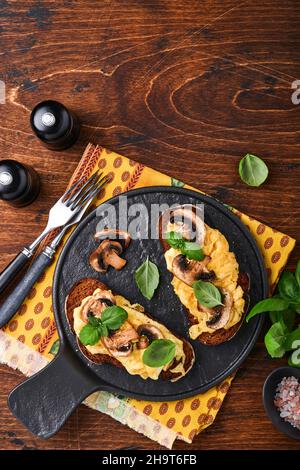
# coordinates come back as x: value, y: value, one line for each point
x: 112, y: 318
x: 159, y: 353
x: 55, y: 347
x: 283, y: 308
x: 297, y: 273
x: 176, y: 183
x: 279, y: 340
x: 207, y: 294
x: 289, y: 288
x: 191, y: 250
x: 275, y: 340
x: 286, y: 317
x: 174, y: 239
x: 291, y: 338
x: 273, y: 304
x: 147, y: 278
x: 253, y: 170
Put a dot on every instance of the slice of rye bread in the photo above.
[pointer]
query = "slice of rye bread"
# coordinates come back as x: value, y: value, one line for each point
x: 219, y: 336
x: 86, y: 287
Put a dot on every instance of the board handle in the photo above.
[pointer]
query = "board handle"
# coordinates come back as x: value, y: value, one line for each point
x: 45, y: 401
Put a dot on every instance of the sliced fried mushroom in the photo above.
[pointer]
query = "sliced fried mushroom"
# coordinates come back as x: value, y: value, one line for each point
x: 107, y: 254
x: 184, y: 220
x: 120, y: 235
x: 221, y: 314
x: 143, y: 342
x: 148, y: 333
x: 110, y: 254
x: 96, y: 304
x: 190, y: 271
x: 119, y: 343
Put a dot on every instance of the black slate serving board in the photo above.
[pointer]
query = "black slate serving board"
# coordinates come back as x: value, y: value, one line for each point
x: 44, y: 402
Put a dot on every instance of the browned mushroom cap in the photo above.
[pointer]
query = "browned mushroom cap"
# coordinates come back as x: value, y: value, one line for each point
x: 119, y: 343
x: 190, y: 271
x: 185, y: 221
x: 148, y: 333
x: 112, y: 234
x: 96, y: 304
x: 107, y: 254
x: 143, y: 342
x: 221, y: 314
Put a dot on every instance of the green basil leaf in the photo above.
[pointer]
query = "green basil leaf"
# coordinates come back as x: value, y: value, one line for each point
x: 147, y: 278
x: 253, y: 170
x: 294, y: 359
x: 297, y: 273
x: 103, y: 330
x: 207, y: 294
x: 293, y: 339
x: 176, y: 183
x: 274, y: 316
x: 193, y: 251
x: 94, y: 321
x: 275, y: 340
x: 295, y: 304
x: 288, y: 287
x: 190, y: 249
x: 89, y: 335
x: 159, y: 353
x: 54, y: 348
x: 288, y: 317
x: 274, y: 304
x: 174, y: 239
x: 113, y: 317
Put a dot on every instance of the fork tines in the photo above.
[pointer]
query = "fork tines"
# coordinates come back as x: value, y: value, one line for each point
x: 100, y: 183
x: 81, y: 191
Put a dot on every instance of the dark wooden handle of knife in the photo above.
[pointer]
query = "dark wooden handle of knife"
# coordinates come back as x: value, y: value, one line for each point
x: 10, y: 272
x: 14, y: 301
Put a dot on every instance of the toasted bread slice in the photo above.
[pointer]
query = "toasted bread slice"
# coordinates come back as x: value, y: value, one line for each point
x: 221, y: 336
x: 86, y: 287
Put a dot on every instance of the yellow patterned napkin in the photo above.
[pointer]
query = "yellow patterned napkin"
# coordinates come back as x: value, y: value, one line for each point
x: 30, y: 340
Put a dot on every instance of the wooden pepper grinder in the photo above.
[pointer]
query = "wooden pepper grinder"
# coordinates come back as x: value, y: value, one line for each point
x: 56, y: 126
x: 19, y: 184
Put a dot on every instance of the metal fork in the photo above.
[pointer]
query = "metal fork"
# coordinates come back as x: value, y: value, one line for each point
x: 78, y: 202
x: 60, y: 214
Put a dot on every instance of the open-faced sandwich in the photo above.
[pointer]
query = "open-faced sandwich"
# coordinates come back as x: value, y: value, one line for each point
x: 111, y: 330
x: 206, y: 275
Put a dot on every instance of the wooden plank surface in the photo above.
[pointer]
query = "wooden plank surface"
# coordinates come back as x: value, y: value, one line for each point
x: 185, y: 87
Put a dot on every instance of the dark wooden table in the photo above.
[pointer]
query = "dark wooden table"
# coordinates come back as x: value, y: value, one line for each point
x: 185, y: 87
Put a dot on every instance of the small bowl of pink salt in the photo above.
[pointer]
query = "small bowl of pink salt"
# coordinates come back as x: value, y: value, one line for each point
x: 281, y: 397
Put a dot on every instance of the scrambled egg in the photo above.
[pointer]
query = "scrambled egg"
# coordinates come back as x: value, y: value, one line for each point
x: 226, y: 268
x: 134, y: 363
